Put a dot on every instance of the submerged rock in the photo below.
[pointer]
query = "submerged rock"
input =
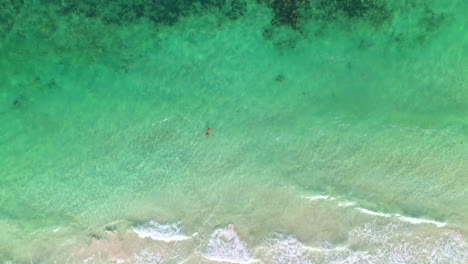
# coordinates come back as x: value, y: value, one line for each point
x: 280, y: 78
x: 19, y: 102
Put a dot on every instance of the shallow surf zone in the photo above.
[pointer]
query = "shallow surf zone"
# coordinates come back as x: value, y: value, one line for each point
x: 310, y: 229
x: 374, y: 240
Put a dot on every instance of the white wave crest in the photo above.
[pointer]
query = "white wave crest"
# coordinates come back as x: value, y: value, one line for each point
x: 284, y: 249
x: 280, y: 249
x: 412, y: 220
x: 162, y: 232
x: 318, y: 197
x: 226, y: 246
x: 397, y: 243
x: 420, y: 221
x: 407, y: 219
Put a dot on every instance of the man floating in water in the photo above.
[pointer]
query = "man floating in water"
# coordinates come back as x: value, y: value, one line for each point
x: 208, y: 130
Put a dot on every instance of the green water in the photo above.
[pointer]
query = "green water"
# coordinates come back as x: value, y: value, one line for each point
x: 103, y: 116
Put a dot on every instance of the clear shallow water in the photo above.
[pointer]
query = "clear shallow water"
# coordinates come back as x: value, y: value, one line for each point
x: 329, y: 141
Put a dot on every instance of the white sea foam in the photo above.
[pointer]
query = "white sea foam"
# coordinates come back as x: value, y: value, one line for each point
x: 345, y: 203
x: 226, y: 246
x: 88, y: 259
x: 380, y: 243
x: 287, y: 249
x: 420, y: 221
x: 369, y: 212
x: 318, y: 197
x: 385, y: 240
x: 162, y: 232
x: 284, y: 249
x: 396, y: 242
x: 161, y: 121
x: 147, y: 256
x: 411, y: 220
x: 117, y: 260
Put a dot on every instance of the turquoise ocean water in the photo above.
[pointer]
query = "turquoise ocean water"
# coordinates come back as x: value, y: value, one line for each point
x: 339, y: 131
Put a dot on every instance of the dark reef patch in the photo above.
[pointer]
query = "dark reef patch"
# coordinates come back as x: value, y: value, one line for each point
x: 431, y: 20
x: 9, y: 10
x: 374, y: 11
x: 428, y: 24
x: 286, y: 26
x: 291, y: 21
x: 288, y: 12
x: 267, y: 33
x: 237, y: 9
x: 159, y: 11
x: 350, y: 8
x: 123, y: 12
x: 295, y: 15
